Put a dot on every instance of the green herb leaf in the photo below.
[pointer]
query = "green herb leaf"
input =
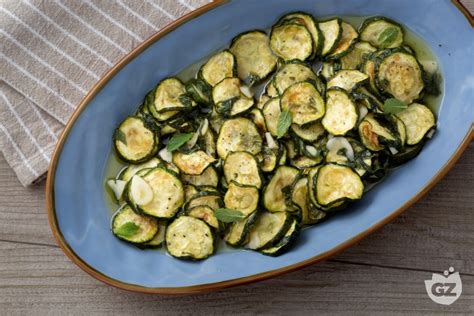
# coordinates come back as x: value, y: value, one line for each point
x: 178, y: 140
x: 120, y: 136
x: 127, y: 230
x: 284, y: 122
x: 228, y: 215
x: 388, y: 36
x: 393, y: 106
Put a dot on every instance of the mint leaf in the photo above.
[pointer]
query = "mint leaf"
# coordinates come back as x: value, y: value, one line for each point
x: 393, y: 106
x: 127, y: 230
x: 228, y: 215
x: 120, y: 136
x: 388, y: 36
x: 178, y: 140
x: 284, y: 122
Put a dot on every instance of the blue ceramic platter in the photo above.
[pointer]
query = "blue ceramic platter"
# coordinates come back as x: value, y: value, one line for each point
x: 77, y: 204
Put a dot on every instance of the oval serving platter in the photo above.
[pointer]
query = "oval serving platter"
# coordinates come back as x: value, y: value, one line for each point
x: 76, y: 203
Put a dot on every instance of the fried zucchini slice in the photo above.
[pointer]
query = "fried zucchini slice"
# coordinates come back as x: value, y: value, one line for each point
x: 341, y: 113
x: 374, y: 135
x: 346, y: 43
x: 168, y: 193
x: 189, y: 238
x: 291, y: 73
x: 220, y: 66
x: 348, y: 80
x: 291, y: 41
x: 131, y: 170
x: 209, y: 177
x: 211, y: 199
x: 204, y: 213
x: 238, y: 232
x: 309, y: 132
x: 170, y: 98
x: 275, y: 195
x: 132, y: 227
x: 242, y: 167
x: 255, y: 60
x: 304, y: 102
x: 336, y: 183
x: 308, y: 21
x: 381, y: 32
x: 193, y: 163
x: 243, y: 198
x: 418, y: 120
x: 357, y: 55
x: 332, y: 32
x: 399, y: 75
x: 299, y: 196
x: 238, y: 134
x: 268, y: 229
x: 136, y: 140
x: 285, y: 242
x: 271, y: 113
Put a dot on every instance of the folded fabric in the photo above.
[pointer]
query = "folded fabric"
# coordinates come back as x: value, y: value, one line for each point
x: 52, y: 53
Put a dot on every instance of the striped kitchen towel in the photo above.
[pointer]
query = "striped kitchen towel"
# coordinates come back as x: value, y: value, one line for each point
x: 52, y: 53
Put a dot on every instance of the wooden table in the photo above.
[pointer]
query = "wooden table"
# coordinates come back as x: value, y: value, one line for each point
x: 384, y: 273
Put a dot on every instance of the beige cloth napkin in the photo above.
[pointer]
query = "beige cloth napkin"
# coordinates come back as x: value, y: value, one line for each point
x: 51, y: 53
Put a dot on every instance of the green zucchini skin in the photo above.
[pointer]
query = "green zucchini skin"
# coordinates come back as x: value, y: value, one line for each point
x: 238, y: 159
x: 149, y: 127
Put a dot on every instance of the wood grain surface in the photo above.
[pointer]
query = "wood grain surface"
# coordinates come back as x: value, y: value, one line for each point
x: 383, y: 274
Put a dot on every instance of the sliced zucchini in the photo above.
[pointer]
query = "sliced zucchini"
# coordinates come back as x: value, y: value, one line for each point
x: 299, y: 197
x: 341, y: 112
x: 291, y: 73
x: 381, y: 32
x: 189, y: 238
x: 418, y: 120
x: 291, y: 41
x: 405, y: 154
x: 370, y: 100
x: 207, y: 142
x: 238, y: 134
x: 136, y: 140
x: 346, y: 43
x: 221, y: 65
x: 168, y: 193
x: 271, y: 113
x: 211, y: 199
x: 285, y: 242
x: 242, y: 198
x: 357, y: 55
x: 336, y: 183
x: 332, y: 32
x: 159, y: 238
x: 308, y: 21
x: 270, y: 90
x: 205, y: 213
x: 193, y: 163
x: 189, y: 191
x: 304, y: 102
x: 399, y: 75
x: 255, y: 60
x: 276, y: 196
x: 348, y: 80
x: 268, y: 229
x: 374, y: 135
x: 226, y: 89
x: 199, y: 90
x: 237, y: 233
x: 170, y: 98
x: 242, y: 167
x: 209, y: 178
x: 303, y: 162
x: 256, y: 115
x: 270, y: 158
x: 132, y: 227
x: 131, y: 170
x: 310, y: 132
